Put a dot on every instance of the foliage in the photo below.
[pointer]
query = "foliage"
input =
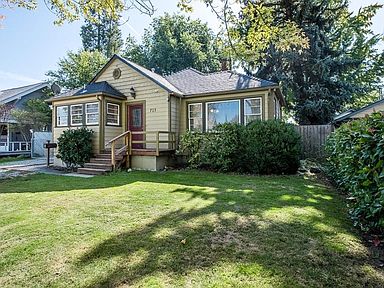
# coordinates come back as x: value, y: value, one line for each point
x: 36, y: 113
x: 341, y: 65
x: 72, y: 10
x: 75, y: 147
x: 103, y: 35
x: 257, y: 19
x: 175, y: 42
x: 77, y: 69
x: 262, y: 147
x: 272, y: 147
x: 356, y: 162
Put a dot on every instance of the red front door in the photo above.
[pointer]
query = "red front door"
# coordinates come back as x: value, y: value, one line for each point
x: 136, y: 123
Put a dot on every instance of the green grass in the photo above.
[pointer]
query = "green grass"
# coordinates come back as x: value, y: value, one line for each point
x: 4, y: 160
x: 125, y: 229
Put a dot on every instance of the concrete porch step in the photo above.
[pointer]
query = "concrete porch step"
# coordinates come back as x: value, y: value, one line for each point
x: 102, y: 166
x: 91, y: 171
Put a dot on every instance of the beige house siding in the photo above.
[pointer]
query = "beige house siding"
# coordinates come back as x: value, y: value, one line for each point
x: 266, y: 114
x: 376, y: 108
x: 154, y: 96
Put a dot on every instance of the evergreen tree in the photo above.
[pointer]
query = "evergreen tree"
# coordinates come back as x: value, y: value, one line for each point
x: 102, y: 34
x: 341, y: 64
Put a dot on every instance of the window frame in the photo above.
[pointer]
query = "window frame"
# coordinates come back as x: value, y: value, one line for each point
x: 97, y: 113
x: 220, y: 101
x: 82, y: 114
x: 57, y: 115
x: 201, y: 117
x: 250, y: 114
x: 118, y: 114
x: 277, y: 107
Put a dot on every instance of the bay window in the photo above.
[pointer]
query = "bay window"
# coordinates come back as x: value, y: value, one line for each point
x: 92, y: 113
x: 62, y: 116
x: 77, y: 115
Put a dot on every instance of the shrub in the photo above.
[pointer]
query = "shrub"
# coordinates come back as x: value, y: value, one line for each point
x: 272, y: 147
x: 262, y: 147
x: 356, y: 163
x: 75, y: 147
x: 223, y: 149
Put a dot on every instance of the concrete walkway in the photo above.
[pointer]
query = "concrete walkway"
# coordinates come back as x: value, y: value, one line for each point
x: 22, y: 163
x: 30, y: 166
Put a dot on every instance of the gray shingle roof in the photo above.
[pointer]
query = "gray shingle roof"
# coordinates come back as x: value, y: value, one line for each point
x: 191, y: 81
x: 92, y: 88
x: 8, y: 95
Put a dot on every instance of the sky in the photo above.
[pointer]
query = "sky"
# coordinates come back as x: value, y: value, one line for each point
x: 30, y: 44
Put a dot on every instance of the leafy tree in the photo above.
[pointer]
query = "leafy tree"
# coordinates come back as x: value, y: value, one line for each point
x: 77, y: 69
x: 325, y: 57
x: 176, y: 42
x: 72, y: 10
x: 340, y: 65
x: 104, y: 35
x: 36, y: 114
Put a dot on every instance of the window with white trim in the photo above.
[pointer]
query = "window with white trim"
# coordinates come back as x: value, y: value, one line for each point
x: 77, y: 114
x: 222, y: 112
x: 252, y: 109
x: 195, y: 117
x: 62, y: 116
x: 113, y: 114
x: 92, y: 113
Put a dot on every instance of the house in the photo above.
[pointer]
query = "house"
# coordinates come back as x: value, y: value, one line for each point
x: 351, y: 114
x: 140, y: 115
x: 12, y: 140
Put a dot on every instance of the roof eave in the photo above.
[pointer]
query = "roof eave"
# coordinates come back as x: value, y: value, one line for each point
x: 56, y: 99
x: 231, y: 91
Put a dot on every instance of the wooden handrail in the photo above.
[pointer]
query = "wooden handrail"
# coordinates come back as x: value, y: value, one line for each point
x: 118, y: 137
x: 128, y: 141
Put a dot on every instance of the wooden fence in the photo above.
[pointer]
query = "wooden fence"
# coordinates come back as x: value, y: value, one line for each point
x: 313, y: 138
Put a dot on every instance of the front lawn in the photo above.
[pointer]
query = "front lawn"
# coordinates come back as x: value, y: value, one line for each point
x: 193, y: 229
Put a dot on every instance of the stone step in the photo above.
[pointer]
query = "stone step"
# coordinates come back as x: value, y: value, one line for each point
x: 104, y: 156
x: 102, y: 166
x: 91, y: 171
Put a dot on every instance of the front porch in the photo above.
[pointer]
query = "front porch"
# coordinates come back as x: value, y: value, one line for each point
x: 13, y: 142
x: 140, y: 150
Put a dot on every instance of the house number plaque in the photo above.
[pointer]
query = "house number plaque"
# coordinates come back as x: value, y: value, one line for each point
x: 151, y: 110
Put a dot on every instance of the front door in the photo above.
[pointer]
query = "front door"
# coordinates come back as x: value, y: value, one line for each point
x: 136, y: 123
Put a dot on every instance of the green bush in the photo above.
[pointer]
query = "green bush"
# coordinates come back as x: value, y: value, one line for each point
x: 356, y: 163
x: 262, y: 147
x: 75, y: 147
x: 272, y: 147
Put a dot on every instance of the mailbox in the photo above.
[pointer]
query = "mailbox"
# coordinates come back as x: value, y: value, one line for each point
x: 50, y: 145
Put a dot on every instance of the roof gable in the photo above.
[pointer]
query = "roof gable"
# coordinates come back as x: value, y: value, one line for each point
x: 156, y: 78
x: 9, y: 95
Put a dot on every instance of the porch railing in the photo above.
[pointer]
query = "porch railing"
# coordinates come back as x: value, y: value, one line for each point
x: 127, y: 136
x: 15, y: 146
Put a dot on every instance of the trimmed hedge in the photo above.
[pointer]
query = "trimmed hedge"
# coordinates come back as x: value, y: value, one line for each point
x: 356, y: 163
x: 262, y: 147
x: 75, y: 147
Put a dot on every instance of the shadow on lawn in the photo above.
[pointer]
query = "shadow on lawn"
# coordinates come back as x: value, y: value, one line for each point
x: 238, y: 226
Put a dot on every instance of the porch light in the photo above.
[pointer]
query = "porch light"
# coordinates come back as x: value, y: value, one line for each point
x: 133, y: 92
